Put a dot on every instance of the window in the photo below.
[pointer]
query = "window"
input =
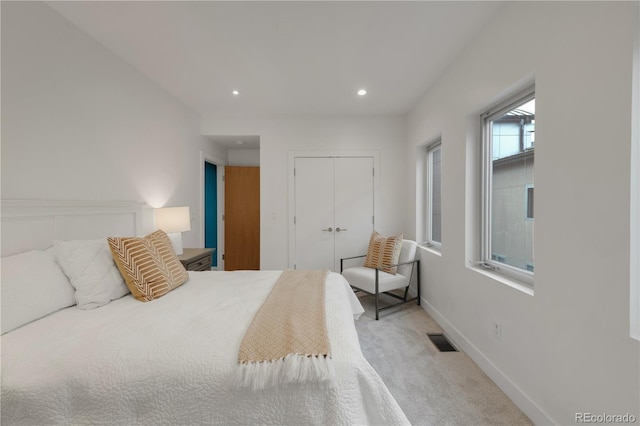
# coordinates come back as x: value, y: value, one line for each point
x: 508, y: 168
x: 529, y: 201
x: 434, y: 196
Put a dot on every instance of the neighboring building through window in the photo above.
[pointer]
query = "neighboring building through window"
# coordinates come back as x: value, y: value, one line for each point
x: 529, y: 201
x: 434, y: 196
x: 508, y: 169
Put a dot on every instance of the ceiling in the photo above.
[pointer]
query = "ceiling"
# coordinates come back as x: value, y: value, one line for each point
x: 292, y: 58
x: 237, y: 142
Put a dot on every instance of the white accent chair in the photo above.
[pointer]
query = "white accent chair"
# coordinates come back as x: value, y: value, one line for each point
x: 375, y: 281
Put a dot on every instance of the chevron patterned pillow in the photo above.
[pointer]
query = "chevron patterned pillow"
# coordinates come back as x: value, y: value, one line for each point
x: 149, y: 265
x: 383, y: 251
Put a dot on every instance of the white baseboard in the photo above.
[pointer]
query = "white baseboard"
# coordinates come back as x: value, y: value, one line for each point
x: 521, y: 399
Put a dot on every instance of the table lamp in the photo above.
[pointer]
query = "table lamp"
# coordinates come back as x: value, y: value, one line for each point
x: 174, y: 221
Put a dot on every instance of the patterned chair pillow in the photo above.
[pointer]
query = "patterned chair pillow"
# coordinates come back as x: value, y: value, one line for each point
x: 383, y: 251
x: 149, y: 265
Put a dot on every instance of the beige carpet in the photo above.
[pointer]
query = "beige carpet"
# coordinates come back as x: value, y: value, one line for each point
x: 432, y: 387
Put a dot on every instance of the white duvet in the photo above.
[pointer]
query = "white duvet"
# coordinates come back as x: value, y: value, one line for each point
x: 171, y: 361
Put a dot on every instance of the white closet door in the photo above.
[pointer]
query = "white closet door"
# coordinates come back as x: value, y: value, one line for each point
x: 314, y: 213
x: 353, y: 206
x: 332, y: 194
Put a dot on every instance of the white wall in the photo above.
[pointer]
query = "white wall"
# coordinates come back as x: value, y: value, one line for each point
x: 279, y: 136
x: 78, y: 123
x: 243, y: 157
x: 567, y: 348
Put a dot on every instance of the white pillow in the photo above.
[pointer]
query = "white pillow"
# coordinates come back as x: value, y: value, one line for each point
x: 92, y: 271
x: 33, y: 286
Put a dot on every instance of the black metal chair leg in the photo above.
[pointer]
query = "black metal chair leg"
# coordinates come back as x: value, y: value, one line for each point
x: 377, y: 295
x: 418, y: 281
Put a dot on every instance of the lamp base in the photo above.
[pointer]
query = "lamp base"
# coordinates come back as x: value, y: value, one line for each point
x: 176, y: 242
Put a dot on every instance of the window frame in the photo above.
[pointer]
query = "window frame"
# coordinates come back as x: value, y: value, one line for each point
x: 521, y: 275
x: 529, y: 202
x: 430, y: 149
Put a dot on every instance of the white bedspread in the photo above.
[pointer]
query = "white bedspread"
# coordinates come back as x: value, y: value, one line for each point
x: 171, y: 361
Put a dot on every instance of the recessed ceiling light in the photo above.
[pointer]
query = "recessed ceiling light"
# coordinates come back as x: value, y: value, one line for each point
x: 362, y: 92
x: 240, y: 143
x: 235, y: 93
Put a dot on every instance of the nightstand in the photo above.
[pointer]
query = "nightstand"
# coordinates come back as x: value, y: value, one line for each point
x: 196, y: 259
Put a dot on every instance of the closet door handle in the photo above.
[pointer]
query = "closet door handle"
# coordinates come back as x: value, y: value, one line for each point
x: 329, y: 229
x: 341, y: 229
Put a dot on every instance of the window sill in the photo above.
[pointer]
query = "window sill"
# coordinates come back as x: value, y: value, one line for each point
x: 432, y: 249
x: 501, y: 278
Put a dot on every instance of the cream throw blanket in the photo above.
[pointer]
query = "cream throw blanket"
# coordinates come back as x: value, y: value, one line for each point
x: 287, y: 341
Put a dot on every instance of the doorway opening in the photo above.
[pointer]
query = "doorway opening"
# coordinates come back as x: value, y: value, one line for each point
x: 230, y: 151
x: 211, y: 209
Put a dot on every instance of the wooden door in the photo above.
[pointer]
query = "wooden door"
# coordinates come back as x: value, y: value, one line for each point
x: 242, y: 218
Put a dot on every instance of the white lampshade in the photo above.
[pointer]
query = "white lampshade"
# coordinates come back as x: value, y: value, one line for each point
x: 173, y: 221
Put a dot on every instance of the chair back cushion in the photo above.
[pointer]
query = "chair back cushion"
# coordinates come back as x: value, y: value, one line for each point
x: 407, y: 254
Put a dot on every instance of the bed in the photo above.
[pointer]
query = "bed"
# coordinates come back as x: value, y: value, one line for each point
x: 171, y: 360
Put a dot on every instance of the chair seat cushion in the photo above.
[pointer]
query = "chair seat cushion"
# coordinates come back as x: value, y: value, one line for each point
x: 364, y: 278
